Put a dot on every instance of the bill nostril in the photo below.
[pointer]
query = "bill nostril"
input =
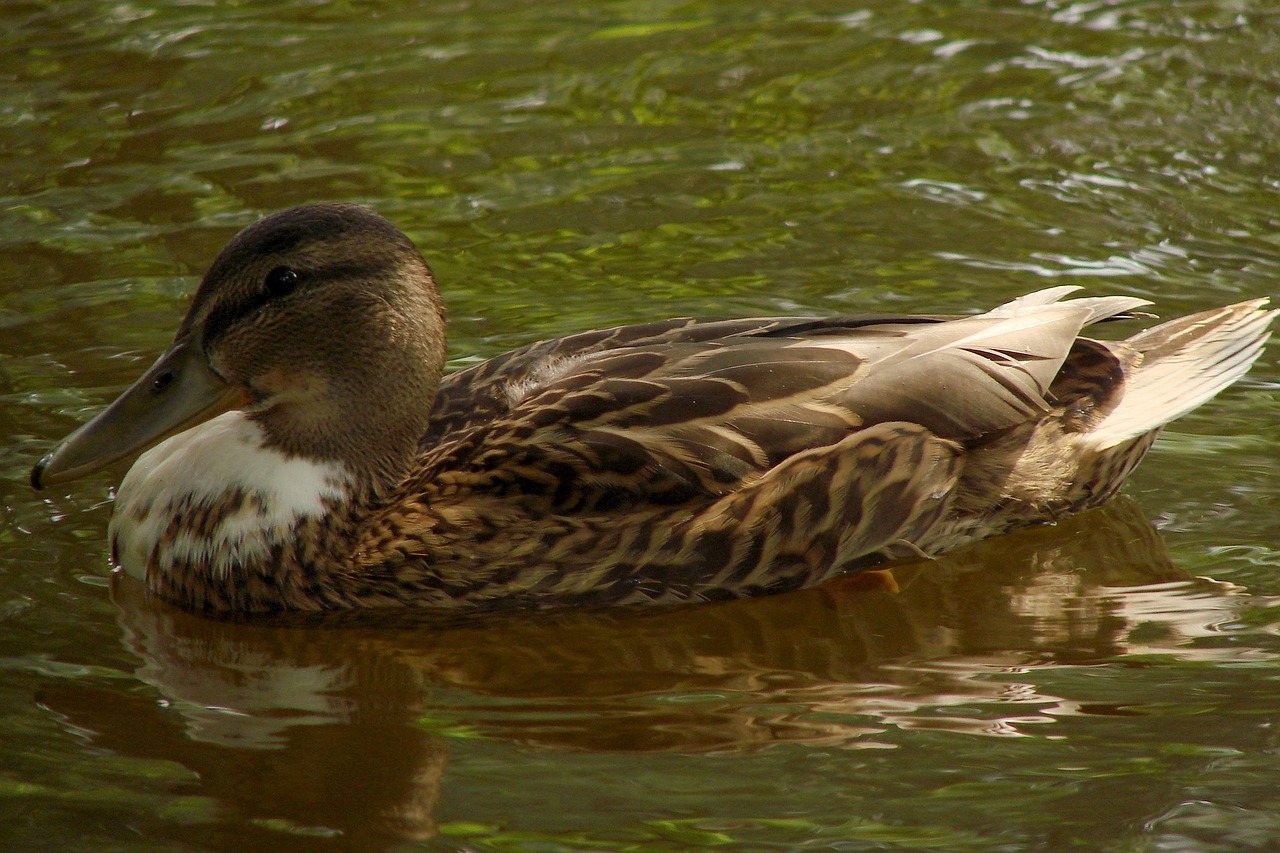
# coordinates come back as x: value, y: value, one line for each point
x: 162, y: 380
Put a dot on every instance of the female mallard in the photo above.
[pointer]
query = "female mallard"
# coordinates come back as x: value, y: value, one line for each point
x: 308, y: 454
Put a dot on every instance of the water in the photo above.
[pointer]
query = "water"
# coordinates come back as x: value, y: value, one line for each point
x: 1108, y: 683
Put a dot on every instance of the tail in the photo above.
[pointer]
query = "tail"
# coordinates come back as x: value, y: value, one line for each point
x: 1183, y: 363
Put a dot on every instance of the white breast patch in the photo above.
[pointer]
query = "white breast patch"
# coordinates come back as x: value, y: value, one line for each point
x: 215, y: 495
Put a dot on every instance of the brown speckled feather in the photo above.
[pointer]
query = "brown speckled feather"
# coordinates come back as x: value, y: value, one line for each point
x: 714, y: 459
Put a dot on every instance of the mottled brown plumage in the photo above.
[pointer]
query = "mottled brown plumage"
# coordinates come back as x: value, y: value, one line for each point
x: 320, y: 460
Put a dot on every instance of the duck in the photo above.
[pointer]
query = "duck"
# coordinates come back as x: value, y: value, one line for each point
x: 299, y: 446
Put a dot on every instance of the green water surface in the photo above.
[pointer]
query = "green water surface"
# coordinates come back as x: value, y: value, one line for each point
x: 1109, y: 683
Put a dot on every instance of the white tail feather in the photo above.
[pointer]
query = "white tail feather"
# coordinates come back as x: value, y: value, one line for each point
x: 1184, y: 363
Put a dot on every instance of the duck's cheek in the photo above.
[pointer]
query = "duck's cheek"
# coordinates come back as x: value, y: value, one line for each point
x: 296, y: 412
x: 290, y: 385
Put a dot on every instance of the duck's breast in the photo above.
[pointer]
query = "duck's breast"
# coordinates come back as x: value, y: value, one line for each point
x: 215, y: 497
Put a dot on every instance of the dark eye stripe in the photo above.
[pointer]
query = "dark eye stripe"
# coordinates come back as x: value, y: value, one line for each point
x: 228, y: 314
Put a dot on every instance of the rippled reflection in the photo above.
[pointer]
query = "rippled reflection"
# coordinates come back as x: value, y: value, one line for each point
x: 344, y: 728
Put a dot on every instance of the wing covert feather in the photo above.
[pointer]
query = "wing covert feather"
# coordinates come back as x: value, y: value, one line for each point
x: 660, y: 412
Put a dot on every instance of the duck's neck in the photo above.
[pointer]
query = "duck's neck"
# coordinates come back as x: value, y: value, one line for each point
x: 217, y: 518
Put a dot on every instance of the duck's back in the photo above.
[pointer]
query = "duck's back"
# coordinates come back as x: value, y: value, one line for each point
x: 702, y: 406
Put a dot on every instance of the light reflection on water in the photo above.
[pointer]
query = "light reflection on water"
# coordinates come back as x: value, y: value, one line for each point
x: 974, y: 644
x: 567, y: 167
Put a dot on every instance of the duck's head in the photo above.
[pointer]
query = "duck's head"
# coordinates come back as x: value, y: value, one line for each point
x: 321, y: 323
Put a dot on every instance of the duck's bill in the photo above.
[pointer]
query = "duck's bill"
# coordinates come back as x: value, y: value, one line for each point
x: 176, y: 393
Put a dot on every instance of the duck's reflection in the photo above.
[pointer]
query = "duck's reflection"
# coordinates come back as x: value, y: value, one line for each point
x: 345, y: 727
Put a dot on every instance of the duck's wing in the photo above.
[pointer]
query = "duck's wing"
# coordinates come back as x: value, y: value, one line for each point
x: 675, y: 410
x: 654, y: 412
x: 476, y: 395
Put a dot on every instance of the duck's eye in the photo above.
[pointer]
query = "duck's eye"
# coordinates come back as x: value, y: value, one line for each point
x: 281, y: 281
